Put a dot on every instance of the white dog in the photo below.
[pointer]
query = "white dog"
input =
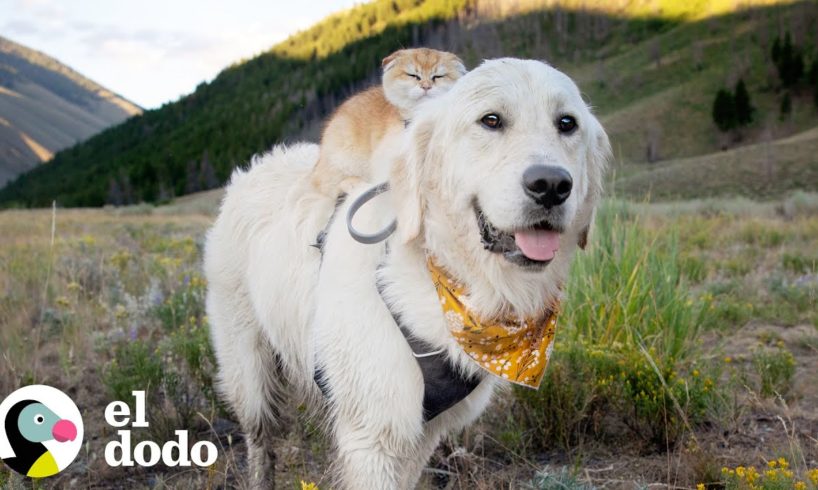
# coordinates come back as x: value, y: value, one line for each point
x: 496, y: 184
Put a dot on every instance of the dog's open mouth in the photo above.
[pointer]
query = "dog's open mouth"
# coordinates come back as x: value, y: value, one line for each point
x: 531, y: 246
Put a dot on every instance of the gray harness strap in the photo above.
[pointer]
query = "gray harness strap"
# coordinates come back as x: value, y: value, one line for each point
x: 443, y: 385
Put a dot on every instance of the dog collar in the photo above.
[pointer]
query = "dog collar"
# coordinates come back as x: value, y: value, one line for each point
x: 512, y: 348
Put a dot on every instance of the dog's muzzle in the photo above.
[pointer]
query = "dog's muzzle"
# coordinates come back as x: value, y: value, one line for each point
x: 532, y: 246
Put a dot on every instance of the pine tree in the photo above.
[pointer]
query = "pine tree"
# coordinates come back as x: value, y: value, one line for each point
x: 813, y: 79
x: 796, y: 66
x: 743, y: 107
x: 207, y: 175
x: 789, y: 61
x: 724, y: 110
x: 776, y: 50
x: 114, y: 193
x: 786, y: 106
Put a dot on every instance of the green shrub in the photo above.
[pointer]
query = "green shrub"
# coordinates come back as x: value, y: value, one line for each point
x: 135, y: 366
x: 760, y: 234
x: 189, y: 357
x: 728, y: 305
x: 184, y: 304
x: 598, y: 390
x: 728, y: 311
x: 570, y: 402
x: 694, y: 268
x: 789, y: 302
x: 775, y: 369
x: 798, y: 263
x: 564, y: 480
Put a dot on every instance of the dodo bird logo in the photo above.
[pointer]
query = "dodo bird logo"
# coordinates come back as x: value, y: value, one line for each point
x: 40, y: 431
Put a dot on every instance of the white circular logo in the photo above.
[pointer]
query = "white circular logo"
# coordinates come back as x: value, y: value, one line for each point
x: 40, y: 431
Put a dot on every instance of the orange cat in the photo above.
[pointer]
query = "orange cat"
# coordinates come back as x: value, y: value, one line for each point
x: 354, y: 131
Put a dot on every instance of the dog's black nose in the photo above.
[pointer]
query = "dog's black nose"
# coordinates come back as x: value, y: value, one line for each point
x: 549, y: 186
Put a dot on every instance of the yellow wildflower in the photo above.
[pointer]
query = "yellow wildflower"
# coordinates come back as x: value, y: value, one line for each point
x: 799, y: 485
x: 700, y: 486
x: 813, y: 476
x: 783, y: 463
x: 728, y: 359
x: 752, y: 474
x: 772, y: 463
x: 308, y: 486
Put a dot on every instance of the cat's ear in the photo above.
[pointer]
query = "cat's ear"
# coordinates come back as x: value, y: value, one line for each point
x: 458, y: 65
x: 389, y: 61
x: 406, y: 181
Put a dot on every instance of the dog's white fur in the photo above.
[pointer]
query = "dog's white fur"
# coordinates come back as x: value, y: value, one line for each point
x: 278, y: 311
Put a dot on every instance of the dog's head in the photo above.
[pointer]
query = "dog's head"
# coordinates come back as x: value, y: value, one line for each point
x: 504, y: 169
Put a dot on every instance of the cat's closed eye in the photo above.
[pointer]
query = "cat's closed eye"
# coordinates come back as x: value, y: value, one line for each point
x: 413, y: 75
x: 435, y: 77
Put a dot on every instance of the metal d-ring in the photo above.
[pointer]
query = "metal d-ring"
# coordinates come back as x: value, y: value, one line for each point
x: 368, y: 238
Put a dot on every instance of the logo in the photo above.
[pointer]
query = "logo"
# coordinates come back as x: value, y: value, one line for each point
x: 149, y: 453
x: 40, y: 431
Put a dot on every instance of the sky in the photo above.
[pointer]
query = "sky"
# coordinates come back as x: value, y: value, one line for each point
x: 154, y: 51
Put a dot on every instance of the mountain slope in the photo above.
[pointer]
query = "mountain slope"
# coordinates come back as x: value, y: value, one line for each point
x: 650, y: 67
x: 760, y: 170
x: 46, y: 106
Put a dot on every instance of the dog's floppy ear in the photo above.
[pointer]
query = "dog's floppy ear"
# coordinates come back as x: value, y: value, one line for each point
x: 405, y: 179
x: 388, y: 62
x: 582, y: 240
x: 599, y: 154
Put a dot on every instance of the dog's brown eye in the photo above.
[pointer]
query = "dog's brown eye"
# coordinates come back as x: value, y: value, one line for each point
x: 566, y: 124
x: 492, y: 121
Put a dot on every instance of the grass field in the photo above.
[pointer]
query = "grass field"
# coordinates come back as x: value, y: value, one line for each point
x: 687, y: 345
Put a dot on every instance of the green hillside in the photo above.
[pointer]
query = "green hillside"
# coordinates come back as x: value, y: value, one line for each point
x: 651, y: 68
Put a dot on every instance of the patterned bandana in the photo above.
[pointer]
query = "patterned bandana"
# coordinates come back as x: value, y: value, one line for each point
x: 514, y: 349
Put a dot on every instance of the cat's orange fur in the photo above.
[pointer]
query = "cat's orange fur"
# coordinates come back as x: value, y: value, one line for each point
x: 353, y: 133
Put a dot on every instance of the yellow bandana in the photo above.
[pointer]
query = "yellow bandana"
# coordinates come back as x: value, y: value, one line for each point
x: 514, y: 349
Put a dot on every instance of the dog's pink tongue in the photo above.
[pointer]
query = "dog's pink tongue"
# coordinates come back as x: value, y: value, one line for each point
x: 538, y: 245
